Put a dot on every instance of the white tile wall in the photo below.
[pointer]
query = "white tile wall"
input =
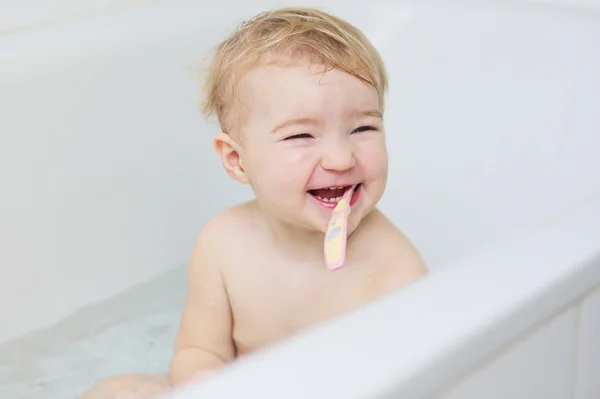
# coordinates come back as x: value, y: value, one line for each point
x: 541, y: 365
x: 588, y: 367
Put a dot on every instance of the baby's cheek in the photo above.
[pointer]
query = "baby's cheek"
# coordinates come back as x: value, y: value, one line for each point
x: 375, y: 158
x: 294, y: 167
x: 279, y: 175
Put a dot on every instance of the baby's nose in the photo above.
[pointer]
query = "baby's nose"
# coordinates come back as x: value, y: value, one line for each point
x: 338, y: 157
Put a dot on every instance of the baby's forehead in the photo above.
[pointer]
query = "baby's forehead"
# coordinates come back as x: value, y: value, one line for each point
x: 299, y: 84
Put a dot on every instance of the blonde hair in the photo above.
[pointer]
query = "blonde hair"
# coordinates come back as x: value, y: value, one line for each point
x: 289, y: 33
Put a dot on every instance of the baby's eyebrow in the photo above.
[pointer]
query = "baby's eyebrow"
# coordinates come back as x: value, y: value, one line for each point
x: 314, y: 122
x: 367, y: 112
x: 295, y: 121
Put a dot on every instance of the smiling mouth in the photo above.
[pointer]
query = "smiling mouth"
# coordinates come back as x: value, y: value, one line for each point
x: 330, y: 196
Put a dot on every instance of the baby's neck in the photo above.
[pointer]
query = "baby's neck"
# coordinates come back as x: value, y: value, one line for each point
x: 299, y: 244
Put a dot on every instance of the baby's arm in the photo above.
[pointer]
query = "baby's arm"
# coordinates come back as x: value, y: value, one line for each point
x: 204, y: 341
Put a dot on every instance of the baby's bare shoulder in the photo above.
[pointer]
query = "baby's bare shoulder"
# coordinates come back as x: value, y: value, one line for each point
x: 229, y: 228
x: 397, y: 247
x: 229, y: 223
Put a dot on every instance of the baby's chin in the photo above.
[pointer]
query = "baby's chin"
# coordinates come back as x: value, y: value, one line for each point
x: 355, y: 223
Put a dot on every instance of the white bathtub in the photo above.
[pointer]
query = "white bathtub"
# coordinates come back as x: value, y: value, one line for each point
x: 493, y: 126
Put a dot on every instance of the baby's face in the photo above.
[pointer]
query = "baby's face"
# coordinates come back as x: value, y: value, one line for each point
x: 304, y: 133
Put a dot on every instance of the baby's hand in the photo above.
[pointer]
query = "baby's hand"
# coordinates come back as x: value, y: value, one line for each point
x: 146, y: 389
x: 143, y: 391
x: 129, y: 387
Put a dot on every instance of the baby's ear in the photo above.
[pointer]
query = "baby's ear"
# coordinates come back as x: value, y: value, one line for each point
x: 228, y: 151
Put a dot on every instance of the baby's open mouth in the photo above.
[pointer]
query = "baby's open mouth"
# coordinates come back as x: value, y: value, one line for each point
x: 331, y: 195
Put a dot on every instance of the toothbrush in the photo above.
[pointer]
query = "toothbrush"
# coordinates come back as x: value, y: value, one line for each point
x: 336, y: 234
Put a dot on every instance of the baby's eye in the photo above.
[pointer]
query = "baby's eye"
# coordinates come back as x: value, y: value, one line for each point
x: 299, y: 136
x: 363, y: 129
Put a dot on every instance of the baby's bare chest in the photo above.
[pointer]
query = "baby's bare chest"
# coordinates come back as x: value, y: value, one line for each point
x: 274, y: 303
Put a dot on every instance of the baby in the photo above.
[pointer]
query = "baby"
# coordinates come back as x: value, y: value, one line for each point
x: 299, y: 95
